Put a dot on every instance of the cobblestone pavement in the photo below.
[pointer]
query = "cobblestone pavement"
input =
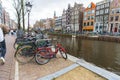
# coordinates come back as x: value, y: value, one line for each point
x: 8, y: 69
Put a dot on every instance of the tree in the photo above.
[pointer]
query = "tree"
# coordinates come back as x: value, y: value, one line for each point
x: 17, y: 6
x: 20, y: 12
x: 39, y: 24
x: 52, y: 23
x: 23, y: 14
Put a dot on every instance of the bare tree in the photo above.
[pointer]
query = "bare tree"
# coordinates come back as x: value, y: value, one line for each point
x: 17, y: 6
x: 23, y: 14
x: 52, y: 24
x: 39, y: 24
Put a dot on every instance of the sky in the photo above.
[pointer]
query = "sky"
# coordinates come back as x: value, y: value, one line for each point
x: 43, y: 9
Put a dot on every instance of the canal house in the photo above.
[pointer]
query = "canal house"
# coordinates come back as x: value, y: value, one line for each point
x: 89, y: 15
x: 114, y: 19
x: 72, y: 18
x: 77, y: 17
x: 102, y: 16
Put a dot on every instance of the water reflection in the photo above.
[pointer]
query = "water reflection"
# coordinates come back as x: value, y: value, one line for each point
x: 100, y: 53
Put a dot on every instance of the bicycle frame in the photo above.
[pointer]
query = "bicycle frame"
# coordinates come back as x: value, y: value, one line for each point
x: 49, y: 49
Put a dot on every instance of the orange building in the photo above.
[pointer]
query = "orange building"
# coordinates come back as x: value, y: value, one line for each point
x: 89, y: 15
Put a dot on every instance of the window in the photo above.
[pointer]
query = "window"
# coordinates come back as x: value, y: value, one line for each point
x: 88, y: 17
x: 97, y: 19
x: 117, y: 10
x: 93, y: 11
x: 92, y: 17
x: 101, y: 11
x: 87, y: 23
x: 101, y: 18
x: 96, y: 28
x: 97, y: 12
x: 100, y: 27
x: 116, y: 18
x: 106, y: 10
x: 116, y: 24
x: 89, y: 12
x: 112, y: 11
x: 84, y: 24
x: 91, y: 23
x: 85, y: 18
x: 106, y: 18
x: 107, y: 5
x: 98, y: 7
x: 85, y: 13
x: 102, y: 6
x: 111, y: 18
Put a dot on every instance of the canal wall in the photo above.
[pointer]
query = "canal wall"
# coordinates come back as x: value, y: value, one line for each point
x: 90, y: 37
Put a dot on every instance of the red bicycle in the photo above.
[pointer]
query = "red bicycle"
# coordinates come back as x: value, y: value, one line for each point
x: 42, y: 54
x: 46, y: 53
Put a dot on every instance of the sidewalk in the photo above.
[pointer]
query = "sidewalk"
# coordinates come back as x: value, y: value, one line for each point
x: 29, y: 71
x: 54, y: 69
x: 8, y: 69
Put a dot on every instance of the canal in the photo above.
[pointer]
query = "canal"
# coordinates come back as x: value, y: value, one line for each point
x: 103, y: 54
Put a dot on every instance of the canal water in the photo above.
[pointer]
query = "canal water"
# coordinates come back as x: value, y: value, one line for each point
x: 103, y: 54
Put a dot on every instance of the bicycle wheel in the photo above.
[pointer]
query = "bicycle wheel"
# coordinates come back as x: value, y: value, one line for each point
x: 42, y: 57
x: 24, y: 54
x: 63, y: 54
x: 15, y: 44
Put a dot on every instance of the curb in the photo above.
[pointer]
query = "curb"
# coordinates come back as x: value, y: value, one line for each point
x: 100, y: 71
x: 80, y: 62
x: 59, y: 73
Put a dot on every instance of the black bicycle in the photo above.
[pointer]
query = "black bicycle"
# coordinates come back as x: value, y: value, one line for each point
x: 27, y: 52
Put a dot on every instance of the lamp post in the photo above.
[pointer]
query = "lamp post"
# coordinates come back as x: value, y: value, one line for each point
x: 28, y: 6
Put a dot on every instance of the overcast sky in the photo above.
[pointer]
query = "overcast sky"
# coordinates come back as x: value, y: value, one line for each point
x: 43, y: 9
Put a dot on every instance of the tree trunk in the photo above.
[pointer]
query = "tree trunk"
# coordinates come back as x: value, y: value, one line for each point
x: 22, y: 6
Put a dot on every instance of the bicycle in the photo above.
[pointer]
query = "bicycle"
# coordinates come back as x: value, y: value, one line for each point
x: 42, y: 54
x: 27, y: 52
x: 22, y: 41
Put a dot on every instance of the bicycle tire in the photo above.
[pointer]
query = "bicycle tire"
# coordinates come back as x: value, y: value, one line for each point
x: 63, y: 54
x: 24, y: 54
x: 15, y: 44
x: 42, y: 57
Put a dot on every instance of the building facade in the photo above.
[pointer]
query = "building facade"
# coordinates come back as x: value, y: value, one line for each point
x: 102, y: 16
x: 88, y: 19
x: 72, y: 18
x: 77, y: 17
x: 64, y: 20
x: 68, y: 18
x: 58, y: 23
x: 114, y: 18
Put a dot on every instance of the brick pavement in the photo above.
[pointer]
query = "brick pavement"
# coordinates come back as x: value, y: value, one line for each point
x: 8, y: 69
x: 29, y: 71
x: 33, y: 71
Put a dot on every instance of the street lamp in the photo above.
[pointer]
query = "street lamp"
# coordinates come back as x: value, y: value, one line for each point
x: 28, y: 6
